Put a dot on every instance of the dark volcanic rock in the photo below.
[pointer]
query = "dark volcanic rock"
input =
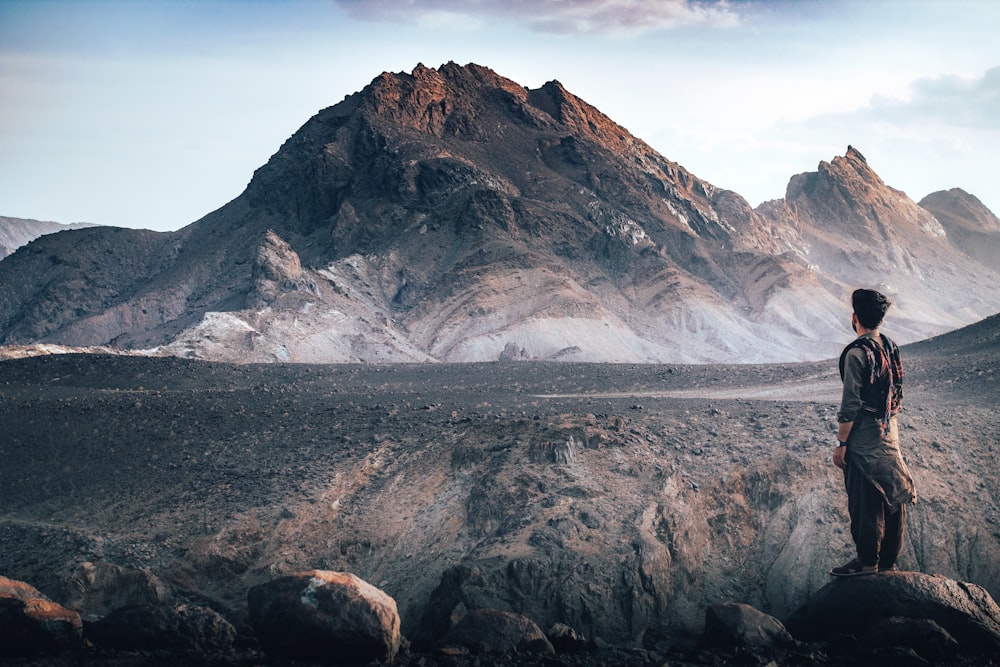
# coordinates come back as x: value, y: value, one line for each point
x: 31, y: 623
x: 493, y: 631
x: 565, y: 639
x: 179, y: 629
x: 924, y: 637
x: 853, y: 606
x: 739, y: 625
x: 95, y: 589
x: 325, y: 617
x: 556, y: 586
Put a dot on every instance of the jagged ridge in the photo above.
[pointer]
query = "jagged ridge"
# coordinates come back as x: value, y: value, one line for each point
x: 452, y: 214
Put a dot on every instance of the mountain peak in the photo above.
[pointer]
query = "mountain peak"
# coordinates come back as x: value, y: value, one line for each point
x: 854, y: 169
x: 470, y: 100
x: 962, y: 209
x: 453, y: 214
x: 969, y: 224
x: 584, y: 120
x: 846, y: 194
x: 854, y: 154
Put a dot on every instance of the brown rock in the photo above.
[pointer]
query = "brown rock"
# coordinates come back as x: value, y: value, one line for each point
x: 31, y: 623
x: 325, y: 616
x: 852, y: 606
x: 277, y: 269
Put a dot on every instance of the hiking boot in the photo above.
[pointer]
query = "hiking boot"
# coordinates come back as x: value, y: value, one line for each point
x: 854, y: 569
x: 888, y: 568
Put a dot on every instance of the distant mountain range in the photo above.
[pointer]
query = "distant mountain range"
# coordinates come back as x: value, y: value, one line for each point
x: 454, y: 215
x: 16, y: 232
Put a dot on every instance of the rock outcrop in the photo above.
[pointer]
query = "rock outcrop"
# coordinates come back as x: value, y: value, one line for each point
x: 737, y: 625
x: 277, y: 269
x: 31, y: 623
x: 337, y: 618
x: 498, y: 632
x: 96, y: 589
x: 856, y: 606
x: 325, y: 617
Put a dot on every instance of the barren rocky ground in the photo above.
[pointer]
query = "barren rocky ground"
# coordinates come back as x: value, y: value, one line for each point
x: 619, y: 499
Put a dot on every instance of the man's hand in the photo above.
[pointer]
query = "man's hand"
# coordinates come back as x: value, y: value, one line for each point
x: 840, y: 457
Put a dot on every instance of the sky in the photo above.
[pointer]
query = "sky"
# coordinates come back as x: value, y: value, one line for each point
x: 153, y: 113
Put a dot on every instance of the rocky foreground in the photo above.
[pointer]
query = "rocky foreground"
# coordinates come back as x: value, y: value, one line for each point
x: 336, y: 618
x: 624, y: 502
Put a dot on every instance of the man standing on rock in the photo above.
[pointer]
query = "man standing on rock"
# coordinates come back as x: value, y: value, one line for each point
x: 879, y: 486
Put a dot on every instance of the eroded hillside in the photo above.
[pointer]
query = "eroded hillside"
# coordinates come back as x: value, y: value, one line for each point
x: 620, y: 499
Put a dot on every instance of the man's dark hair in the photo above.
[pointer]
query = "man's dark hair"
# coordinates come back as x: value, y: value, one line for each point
x: 870, y: 307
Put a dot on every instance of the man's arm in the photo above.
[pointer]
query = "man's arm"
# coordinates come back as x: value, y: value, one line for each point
x: 850, y: 403
x: 844, y: 430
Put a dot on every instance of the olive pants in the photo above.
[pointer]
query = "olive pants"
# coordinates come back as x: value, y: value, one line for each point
x: 876, y: 527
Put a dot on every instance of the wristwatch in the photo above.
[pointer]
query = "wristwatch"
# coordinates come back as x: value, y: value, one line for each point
x: 841, y: 444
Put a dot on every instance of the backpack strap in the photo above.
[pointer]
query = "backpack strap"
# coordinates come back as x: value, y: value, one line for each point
x: 895, y: 374
x: 869, y: 347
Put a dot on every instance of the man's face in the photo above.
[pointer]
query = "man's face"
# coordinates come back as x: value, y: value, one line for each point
x: 854, y: 322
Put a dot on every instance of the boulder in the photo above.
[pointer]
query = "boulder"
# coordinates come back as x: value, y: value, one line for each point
x: 498, y: 632
x: 565, y: 639
x: 324, y: 616
x: 924, y: 637
x: 559, y: 584
x: 180, y: 628
x: 852, y: 606
x: 96, y: 589
x: 741, y: 626
x: 31, y: 623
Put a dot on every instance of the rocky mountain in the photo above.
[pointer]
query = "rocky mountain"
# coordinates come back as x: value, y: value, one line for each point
x: 970, y: 225
x: 454, y: 215
x: 16, y: 232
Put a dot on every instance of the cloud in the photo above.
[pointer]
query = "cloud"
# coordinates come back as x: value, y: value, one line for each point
x: 590, y: 17
x: 941, y: 132
x: 939, y: 106
x: 948, y: 100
